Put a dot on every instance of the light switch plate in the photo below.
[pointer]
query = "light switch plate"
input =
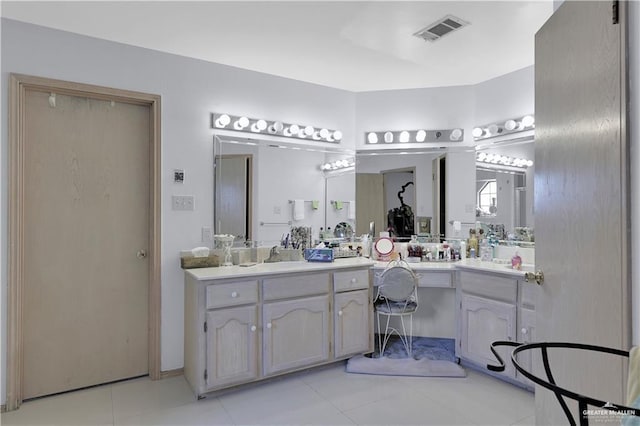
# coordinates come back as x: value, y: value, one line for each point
x: 182, y: 202
x: 207, y: 234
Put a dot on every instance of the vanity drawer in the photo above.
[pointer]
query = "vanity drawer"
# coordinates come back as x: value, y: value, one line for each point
x: 434, y: 279
x: 231, y: 294
x: 351, y: 280
x: 495, y: 287
x: 295, y: 286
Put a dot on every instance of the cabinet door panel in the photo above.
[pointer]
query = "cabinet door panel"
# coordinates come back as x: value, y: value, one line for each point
x: 485, y: 321
x: 526, y: 334
x: 296, y: 333
x: 352, y: 323
x: 232, y: 343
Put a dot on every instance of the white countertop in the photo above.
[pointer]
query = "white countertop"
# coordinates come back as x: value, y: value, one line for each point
x: 223, y: 272
x: 235, y: 271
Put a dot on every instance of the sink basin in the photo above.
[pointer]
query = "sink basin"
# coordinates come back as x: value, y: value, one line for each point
x: 526, y: 267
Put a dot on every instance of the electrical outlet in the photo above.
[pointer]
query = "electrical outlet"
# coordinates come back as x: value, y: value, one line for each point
x: 207, y: 234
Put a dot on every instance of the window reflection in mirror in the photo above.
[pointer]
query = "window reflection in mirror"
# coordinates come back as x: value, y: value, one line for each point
x: 504, y: 195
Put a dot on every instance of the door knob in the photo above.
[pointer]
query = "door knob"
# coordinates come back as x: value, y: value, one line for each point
x: 538, y: 277
x: 141, y: 254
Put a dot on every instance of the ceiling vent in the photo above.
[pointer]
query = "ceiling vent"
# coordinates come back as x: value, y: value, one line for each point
x: 440, y: 28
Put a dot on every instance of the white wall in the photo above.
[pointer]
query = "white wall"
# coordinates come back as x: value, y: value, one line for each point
x: 190, y: 90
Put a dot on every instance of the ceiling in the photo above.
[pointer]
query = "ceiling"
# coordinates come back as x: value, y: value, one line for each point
x: 356, y: 46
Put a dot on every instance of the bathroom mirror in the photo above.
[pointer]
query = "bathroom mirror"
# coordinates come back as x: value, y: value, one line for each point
x: 504, y: 195
x: 263, y: 188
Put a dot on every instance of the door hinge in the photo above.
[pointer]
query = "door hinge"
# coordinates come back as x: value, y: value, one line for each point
x: 615, y: 12
x: 206, y: 376
x: 205, y: 326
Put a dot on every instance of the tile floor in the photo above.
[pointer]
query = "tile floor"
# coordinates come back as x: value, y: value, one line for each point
x: 326, y: 396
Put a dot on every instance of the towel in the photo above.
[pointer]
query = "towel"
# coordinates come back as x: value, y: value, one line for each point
x: 351, y: 214
x: 298, y: 209
x: 200, y: 252
x: 633, y: 381
x: 315, y: 204
x: 338, y: 205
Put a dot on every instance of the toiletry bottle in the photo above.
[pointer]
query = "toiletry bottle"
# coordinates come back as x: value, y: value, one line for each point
x: 463, y: 250
x: 472, y: 253
x: 516, y: 262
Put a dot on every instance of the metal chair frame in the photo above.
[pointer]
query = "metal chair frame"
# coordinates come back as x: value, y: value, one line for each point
x: 396, y: 305
x: 550, y: 383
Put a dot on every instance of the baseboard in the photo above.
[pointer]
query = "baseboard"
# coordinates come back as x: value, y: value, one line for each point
x: 171, y: 373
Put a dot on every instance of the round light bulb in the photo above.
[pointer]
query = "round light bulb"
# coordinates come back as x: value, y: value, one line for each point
x: 261, y: 125
x: 223, y: 121
x: 404, y: 136
x: 477, y: 132
x: 316, y: 136
x: 309, y: 130
x: 529, y: 163
x: 324, y: 133
x: 302, y: 134
x: 294, y: 129
x: 528, y: 121
x: 493, y: 129
x: 337, y: 135
x: 481, y: 156
x: 456, y: 134
x: 388, y: 137
x: 243, y: 122
x: 510, y: 125
x: 278, y: 126
x: 372, y: 138
x: 421, y: 135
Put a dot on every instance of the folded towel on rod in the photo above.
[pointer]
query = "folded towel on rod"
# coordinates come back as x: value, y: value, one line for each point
x: 298, y: 209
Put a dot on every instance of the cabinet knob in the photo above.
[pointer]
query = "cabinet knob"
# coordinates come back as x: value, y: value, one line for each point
x: 524, y: 330
x: 234, y: 294
x: 253, y: 328
x: 268, y: 325
x: 354, y: 280
x: 339, y: 313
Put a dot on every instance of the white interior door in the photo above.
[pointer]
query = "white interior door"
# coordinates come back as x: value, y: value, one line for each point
x: 86, y: 233
x: 580, y: 201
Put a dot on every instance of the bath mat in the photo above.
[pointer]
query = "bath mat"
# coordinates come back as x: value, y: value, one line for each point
x: 431, y: 357
x: 404, y: 367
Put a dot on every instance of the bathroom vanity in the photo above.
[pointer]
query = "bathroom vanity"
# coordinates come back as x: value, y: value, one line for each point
x: 245, y: 324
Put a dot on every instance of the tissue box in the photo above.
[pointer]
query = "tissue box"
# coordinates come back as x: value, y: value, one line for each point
x: 189, y: 262
x: 318, y: 255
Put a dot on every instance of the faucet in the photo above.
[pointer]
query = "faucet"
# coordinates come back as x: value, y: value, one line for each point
x: 274, y: 255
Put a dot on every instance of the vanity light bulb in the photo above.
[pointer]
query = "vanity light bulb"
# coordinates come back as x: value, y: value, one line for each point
x: 404, y: 136
x: 481, y: 156
x: 223, y: 121
x: 456, y: 134
x: 302, y: 134
x: 372, y: 138
x: 316, y: 136
x: 388, y: 137
x: 421, y: 135
x: 528, y: 121
x: 510, y: 125
x: 286, y: 132
x: 529, y: 163
x: 261, y: 125
x: 294, y: 129
x: 309, y: 130
x: 278, y: 126
x: 493, y: 129
x: 243, y: 122
x: 324, y: 133
x: 337, y: 135
x: 477, y: 132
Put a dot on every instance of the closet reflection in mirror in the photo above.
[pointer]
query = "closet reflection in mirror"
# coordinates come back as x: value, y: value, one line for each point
x: 263, y: 188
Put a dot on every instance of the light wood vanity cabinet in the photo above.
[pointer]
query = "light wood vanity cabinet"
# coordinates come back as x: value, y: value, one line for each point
x: 240, y: 330
x: 495, y: 307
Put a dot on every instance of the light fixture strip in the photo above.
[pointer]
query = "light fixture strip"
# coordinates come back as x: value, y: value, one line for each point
x: 502, y: 128
x: 413, y: 136
x: 503, y: 160
x: 338, y: 164
x: 274, y: 128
